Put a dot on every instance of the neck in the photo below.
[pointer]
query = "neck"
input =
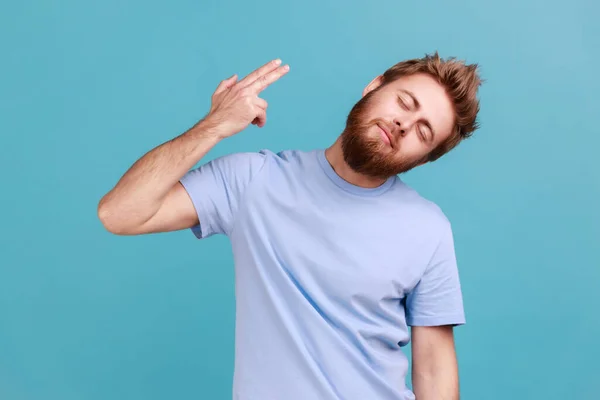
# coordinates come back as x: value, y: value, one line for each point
x: 335, y: 157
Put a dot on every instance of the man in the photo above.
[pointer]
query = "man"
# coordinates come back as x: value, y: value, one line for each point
x: 335, y: 256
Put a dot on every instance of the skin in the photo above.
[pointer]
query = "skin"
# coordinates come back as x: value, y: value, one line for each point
x: 416, y: 112
x: 434, y: 363
x: 149, y: 198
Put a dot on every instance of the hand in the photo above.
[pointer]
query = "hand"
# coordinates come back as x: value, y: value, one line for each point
x: 236, y: 104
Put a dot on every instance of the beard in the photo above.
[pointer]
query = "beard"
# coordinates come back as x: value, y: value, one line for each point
x: 369, y: 155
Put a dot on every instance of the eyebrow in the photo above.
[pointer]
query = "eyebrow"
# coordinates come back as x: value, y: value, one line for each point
x: 418, y: 105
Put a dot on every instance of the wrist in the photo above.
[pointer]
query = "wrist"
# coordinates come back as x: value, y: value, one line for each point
x: 211, y: 129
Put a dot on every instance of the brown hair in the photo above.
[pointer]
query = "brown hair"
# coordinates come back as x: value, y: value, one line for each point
x: 461, y: 82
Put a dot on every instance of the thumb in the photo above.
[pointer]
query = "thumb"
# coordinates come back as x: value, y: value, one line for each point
x: 227, y: 83
x: 261, y: 119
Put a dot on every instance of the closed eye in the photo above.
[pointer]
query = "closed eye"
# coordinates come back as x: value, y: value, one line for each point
x: 426, y: 134
x: 403, y: 103
x: 422, y: 135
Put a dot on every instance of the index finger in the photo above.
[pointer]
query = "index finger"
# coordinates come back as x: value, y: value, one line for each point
x: 261, y: 83
x: 250, y: 78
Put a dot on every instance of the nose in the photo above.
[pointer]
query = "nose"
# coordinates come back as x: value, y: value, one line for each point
x: 401, y: 128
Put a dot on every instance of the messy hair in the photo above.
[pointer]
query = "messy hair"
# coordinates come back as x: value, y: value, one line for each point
x: 461, y: 82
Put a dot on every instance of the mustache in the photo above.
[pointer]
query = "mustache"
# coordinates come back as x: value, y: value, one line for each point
x: 390, y: 128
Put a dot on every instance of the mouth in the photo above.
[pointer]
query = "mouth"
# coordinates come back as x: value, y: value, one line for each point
x: 385, y: 135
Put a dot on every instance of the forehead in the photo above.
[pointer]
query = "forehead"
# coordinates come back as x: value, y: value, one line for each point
x: 435, y: 103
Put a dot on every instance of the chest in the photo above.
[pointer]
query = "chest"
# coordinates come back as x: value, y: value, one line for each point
x: 348, y: 250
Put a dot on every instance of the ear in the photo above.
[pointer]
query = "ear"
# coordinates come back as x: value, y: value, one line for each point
x: 374, y: 84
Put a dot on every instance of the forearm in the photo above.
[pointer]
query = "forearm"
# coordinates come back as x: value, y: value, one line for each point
x: 139, y: 193
x: 434, y: 363
x: 437, y: 384
x: 151, y: 182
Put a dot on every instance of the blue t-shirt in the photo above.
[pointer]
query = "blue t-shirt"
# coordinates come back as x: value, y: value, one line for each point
x: 328, y: 275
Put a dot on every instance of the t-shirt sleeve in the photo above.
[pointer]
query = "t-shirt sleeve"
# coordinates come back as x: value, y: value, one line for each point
x: 217, y: 187
x: 437, y: 297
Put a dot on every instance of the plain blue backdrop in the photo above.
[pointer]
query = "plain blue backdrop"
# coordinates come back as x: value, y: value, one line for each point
x: 88, y: 87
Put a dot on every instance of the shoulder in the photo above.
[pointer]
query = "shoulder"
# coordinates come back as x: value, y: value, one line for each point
x: 289, y: 158
x: 243, y: 162
x: 268, y: 155
x: 231, y: 167
x: 421, y: 208
x: 243, y: 157
x: 294, y: 155
x: 251, y: 164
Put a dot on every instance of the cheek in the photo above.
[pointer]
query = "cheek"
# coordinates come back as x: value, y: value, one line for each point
x: 412, y: 148
x: 381, y: 111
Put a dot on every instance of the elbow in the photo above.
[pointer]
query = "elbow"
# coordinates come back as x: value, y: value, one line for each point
x: 109, y: 218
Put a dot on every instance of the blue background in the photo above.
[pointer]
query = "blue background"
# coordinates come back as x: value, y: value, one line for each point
x: 89, y: 87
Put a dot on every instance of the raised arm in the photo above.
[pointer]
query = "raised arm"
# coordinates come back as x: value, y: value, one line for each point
x: 149, y: 197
